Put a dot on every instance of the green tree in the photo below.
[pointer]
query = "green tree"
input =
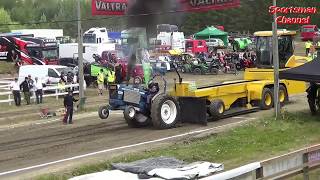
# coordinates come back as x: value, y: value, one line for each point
x: 5, y: 19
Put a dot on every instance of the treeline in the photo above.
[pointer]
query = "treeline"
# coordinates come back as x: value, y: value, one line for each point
x: 253, y: 15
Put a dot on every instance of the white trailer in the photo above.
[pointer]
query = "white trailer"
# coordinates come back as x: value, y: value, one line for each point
x: 70, y: 50
x: 43, y: 33
x: 175, y: 40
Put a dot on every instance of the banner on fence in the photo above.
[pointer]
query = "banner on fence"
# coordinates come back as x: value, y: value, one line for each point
x: 119, y: 7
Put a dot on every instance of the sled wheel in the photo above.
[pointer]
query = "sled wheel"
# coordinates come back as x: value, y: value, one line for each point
x: 216, y: 109
x: 104, y: 112
x: 266, y: 99
x: 283, y: 95
x: 197, y: 71
x: 165, y: 112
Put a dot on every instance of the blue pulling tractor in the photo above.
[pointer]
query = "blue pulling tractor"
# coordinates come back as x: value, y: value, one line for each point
x: 136, y: 101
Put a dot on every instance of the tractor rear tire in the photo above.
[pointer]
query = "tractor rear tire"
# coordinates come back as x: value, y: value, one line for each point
x: 266, y: 99
x: 165, y: 112
x: 197, y: 71
x: 104, y: 112
x: 216, y: 109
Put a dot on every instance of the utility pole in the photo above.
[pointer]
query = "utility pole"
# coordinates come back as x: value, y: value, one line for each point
x: 275, y: 63
x: 80, y: 59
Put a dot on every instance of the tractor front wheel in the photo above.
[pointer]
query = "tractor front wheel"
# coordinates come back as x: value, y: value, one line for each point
x: 137, y: 80
x: 165, y: 112
x: 104, y: 112
x: 135, y: 119
x: 197, y: 71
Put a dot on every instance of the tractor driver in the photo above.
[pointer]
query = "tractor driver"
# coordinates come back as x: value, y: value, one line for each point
x: 153, y: 89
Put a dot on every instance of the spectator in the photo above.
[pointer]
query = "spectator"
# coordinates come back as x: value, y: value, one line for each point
x: 25, y: 86
x: 118, y: 74
x: 68, y: 104
x: 70, y: 78
x: 61, y: 86
x: 100, y: 81
x: 308, y: 45
x: 63, y: 78
x: 39, y: 90
x: 31, y: 83
x: 14, y: 86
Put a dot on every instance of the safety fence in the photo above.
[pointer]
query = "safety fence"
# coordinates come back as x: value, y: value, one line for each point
x: 48, y: 91
x: 4, y: 84
x: 285, y: 166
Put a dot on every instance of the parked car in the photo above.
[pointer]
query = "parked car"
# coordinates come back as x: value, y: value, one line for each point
x: 216, y: 43
x: 309, y: 32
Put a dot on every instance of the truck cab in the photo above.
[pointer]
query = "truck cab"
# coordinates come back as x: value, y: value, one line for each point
x: 196, y: 46
x: 264, y: 62
x: 45, y: 50
x: 172, y: 40
x: 96, y: 36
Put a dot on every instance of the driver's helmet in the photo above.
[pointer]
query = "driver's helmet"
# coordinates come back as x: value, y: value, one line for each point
x: 153, y: 87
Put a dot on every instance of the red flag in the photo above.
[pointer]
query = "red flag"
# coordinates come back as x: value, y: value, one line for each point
x: 118, y: 7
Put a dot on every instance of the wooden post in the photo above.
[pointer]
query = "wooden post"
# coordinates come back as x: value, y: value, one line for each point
x: 306, y: 167
x: 259, y: 173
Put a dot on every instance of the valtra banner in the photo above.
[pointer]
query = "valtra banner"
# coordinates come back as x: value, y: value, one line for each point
x: 118, y: 7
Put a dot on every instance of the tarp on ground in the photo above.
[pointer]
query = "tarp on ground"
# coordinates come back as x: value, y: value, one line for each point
x: 212, y: 32
x: 158, y: 168
x: 309, y: 72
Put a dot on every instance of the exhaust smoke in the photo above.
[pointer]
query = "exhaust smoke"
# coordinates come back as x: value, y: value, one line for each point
x: 147, y: 14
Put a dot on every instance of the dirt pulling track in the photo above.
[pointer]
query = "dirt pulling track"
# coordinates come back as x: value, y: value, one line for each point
x: 36, y: 144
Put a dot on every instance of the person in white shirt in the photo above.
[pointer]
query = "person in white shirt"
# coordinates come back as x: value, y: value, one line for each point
x: 39, y: 92
x: 15, y: 87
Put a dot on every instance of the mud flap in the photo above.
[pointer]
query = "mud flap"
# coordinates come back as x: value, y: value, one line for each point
x: 193, y: 110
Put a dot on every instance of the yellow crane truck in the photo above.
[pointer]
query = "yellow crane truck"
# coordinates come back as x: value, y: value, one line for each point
x: 193, y: 103
x: 187, y: 103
